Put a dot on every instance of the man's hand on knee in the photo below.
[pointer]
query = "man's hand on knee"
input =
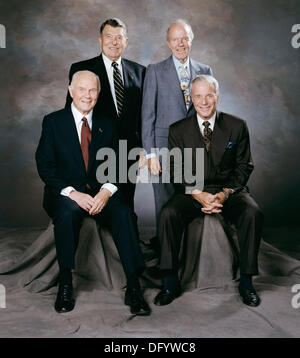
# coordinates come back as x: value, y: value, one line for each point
x: 85, y: 201
x: 100, y: 200
x: 210, y: 202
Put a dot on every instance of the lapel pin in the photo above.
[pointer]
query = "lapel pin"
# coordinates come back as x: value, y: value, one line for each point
x: 100, y: 130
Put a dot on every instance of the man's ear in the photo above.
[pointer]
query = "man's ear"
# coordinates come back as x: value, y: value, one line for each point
x: 70, y: 91
x: 100, y: 41
x: 167, y: 42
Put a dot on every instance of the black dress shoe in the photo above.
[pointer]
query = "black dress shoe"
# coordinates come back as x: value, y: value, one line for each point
x: 249, y: 296
x: 64, y: 300
x: 138, y: 306
x: 164, y: 297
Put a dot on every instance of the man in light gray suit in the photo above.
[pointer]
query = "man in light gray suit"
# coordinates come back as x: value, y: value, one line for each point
x: 166, y: 99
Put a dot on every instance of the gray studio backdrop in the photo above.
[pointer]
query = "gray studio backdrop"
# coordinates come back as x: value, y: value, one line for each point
x: 247, y: 44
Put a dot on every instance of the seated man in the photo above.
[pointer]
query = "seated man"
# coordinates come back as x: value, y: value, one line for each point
x: 227, y: 167
x: 66, y: 162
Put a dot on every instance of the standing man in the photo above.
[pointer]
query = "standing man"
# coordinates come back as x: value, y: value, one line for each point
x: 121, y: 89
x: 66, y: 162
x: 227, y: 167
x: 166, y: 99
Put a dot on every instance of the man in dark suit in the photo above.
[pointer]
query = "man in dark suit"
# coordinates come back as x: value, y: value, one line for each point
x: 66, y: 162
x: 121, y: 89
x: 227, y: 167
x: 166, y: 99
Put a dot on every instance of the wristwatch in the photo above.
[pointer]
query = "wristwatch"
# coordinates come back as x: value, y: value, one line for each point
x: 225, y: 192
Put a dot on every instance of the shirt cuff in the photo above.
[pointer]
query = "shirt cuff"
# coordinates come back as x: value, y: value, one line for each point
x: 151, y: 155
x: 111, y: 187
x: 66, y: 191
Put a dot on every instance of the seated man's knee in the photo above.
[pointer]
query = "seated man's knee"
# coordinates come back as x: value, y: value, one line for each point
x: 254, y: 211
x: 168, y: 212
x: 67, y: 209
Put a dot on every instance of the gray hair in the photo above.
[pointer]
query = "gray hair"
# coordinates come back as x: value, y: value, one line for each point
x: 114, y: 22
x: 185, y: 23
x: 209, y: 79
x: 78, y: 73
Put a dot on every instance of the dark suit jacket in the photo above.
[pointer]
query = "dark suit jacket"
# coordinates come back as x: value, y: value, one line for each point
x: 230, y: 150
x: 59, y: 158
x: 129, y: 124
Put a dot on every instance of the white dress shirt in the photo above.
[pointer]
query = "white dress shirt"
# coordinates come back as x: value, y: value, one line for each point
x: 110, y: 75
x: 78, y: 122
x: 211, y: 120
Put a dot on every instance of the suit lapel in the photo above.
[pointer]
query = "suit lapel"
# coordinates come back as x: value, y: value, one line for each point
x: 95, y: 142
x: 105, y: 92
x: 195, y: 136
x: 193, y: 74
x: 71, y: 137
x: 173, y: 80
x: 128, y: 83
x: 220, y: 137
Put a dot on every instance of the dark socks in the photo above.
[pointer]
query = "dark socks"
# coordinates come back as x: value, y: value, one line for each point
x: 246, y: 281
x: 171, y: 281
x: 65, y: 276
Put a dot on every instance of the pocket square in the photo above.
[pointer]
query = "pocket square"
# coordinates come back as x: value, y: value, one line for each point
x: 230, y: 145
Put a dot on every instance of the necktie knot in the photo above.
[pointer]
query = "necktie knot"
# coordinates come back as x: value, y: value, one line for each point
x: 114, y: 64
x: 206, y: 124
x: 84, y: 120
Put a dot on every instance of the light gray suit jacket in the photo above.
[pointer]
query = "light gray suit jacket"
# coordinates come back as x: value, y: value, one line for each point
x: 163, y: 101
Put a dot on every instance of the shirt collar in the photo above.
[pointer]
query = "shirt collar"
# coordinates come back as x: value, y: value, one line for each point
x: 177, y: 63
x: 78, y: 115
x: 211, y: 120
x: 108, y: 62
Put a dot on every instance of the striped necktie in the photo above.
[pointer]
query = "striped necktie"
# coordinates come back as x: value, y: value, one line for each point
x: 119, y: 87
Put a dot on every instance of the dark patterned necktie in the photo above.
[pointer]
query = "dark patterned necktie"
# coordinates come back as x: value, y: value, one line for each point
x: 86, y: 137
x: 119, y: 87
x: 207, y: 134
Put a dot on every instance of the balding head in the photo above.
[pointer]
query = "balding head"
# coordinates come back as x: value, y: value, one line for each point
x: 179, y: 39
x: 84, y: 89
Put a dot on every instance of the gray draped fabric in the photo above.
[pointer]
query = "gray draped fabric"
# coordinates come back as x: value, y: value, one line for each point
x: 28, y: 268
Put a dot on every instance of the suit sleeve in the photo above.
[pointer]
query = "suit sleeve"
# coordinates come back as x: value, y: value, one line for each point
x: 244, y: 164
x: 69, y: 98
x: 149, y: 109
x: 139, y: 111
x: 46, y: 161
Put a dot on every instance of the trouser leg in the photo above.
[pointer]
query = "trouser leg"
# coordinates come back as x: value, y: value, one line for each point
x: 242, y: 210
x: 177, y: 213
x: 120, y: 219
x: 67, y: 220
x: 162, y: 194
